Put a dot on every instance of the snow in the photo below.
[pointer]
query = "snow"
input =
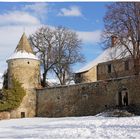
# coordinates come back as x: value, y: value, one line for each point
x: 1, y: 80
x: 71, y: 127
x: 1, y: 84
x: 52, y: 82
x: 22, y: 54
x: 109, y: 54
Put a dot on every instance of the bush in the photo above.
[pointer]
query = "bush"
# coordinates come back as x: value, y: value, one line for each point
x: 12, y: 98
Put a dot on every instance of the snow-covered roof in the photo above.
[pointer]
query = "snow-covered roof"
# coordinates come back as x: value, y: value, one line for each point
x: 109, y: 54
x: 23, y: 50
x: 23, y: 54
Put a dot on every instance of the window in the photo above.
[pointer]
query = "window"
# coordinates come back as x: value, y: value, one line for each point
x: 126, y: 65
x: 109, y: 68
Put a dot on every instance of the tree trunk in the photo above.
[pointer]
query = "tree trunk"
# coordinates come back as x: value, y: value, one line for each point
x: 136, y: 66
x: 43, y: 83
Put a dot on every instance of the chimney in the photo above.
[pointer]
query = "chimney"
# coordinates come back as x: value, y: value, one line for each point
x: 113, y: 40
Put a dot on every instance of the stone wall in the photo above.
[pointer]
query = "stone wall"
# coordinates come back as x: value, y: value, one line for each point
x: 117, y: 69
x: 100, y: 71
x: 87, y: 76
x: 86, y: 99
x: 27, y: 106
x: 4, y: 115
x: 27, y: 72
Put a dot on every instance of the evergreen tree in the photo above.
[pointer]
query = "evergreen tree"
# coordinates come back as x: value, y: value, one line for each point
x: 12, y: 98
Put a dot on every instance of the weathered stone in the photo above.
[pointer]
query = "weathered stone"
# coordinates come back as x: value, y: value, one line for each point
x: 86, y: 99
x: 27, y: 72
x: 4, y: 115
x: 100, y: 71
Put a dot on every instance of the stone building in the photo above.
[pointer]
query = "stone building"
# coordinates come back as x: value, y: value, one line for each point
x: 114, y: 62
x: 105, y: 83
x: 25, y: 67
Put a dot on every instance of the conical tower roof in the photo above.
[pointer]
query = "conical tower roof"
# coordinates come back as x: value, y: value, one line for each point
x: 23, y: 50
x: 24, y: 45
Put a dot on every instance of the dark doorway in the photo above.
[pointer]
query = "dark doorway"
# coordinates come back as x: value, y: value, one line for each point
x: 123, y: 98
x: 120, y: 99
x: 22, y: 114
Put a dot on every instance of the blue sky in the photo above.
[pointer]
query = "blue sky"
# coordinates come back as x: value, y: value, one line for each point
x: 86, y: 18
x: 92, y: 13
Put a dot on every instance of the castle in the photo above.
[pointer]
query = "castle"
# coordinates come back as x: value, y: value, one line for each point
x: 114, y: 62
x: 25, y: 67
x: 92, y: 95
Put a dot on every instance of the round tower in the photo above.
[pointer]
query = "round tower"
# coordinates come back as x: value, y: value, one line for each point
x: 24, y: 66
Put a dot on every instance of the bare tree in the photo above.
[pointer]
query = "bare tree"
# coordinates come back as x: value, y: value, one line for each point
x: 58, y: 49
x: 123, y: 21
x: 68, y: 52
x: 43, y: 42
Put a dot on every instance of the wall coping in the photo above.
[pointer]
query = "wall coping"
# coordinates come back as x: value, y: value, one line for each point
x: 88, y: 83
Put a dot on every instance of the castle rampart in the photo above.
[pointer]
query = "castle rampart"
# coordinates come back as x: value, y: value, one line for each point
x: 88, y: 98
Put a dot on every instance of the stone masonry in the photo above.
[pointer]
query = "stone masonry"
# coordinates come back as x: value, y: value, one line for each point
x: 86, y: 99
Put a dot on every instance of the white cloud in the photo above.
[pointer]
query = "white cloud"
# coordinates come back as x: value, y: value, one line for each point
x: 18, y: 18
x: 12, y: 25
x: 10, y: 35
x: 72, y: 11
x: 9, y: 38
x: 29, y: 14
x: 39, y: 9
x: 90, y: 37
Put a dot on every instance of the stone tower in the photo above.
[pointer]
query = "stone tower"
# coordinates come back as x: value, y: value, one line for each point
x: 25, y: 67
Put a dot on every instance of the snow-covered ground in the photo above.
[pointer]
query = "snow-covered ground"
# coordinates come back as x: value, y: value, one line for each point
x: 71, y: 127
